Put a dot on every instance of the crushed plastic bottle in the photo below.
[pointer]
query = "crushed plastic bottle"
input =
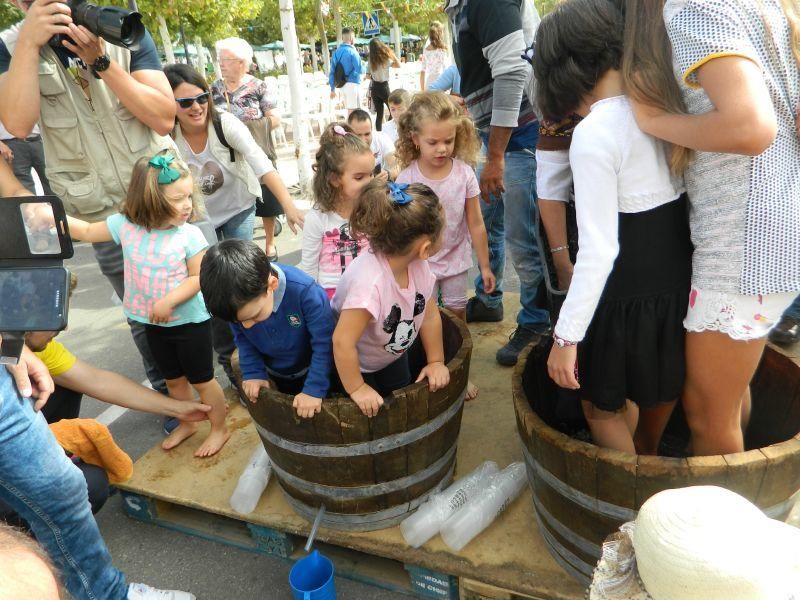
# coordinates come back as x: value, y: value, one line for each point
x: 252, y: 482
x: 429, y: 518
x: 480, y: 512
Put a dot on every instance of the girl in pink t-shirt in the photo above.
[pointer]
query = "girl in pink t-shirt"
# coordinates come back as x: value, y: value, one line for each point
x: 344, y: 166
x: 437, y: 145
x: 384, y: 298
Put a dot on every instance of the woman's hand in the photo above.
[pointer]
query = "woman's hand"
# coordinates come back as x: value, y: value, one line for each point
x: 294, y: 219
x: 562, y: 366
x: 438, y: 375
x: 645, y: 114
x: 368, y: 400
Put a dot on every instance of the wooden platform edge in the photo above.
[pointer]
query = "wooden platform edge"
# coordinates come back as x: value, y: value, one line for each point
x: 375, y: 571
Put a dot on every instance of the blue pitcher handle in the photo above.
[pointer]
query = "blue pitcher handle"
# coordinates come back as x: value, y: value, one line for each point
x: 306, y: 595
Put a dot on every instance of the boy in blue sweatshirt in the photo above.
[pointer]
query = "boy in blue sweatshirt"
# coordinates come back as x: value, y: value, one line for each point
x: 281, y: 320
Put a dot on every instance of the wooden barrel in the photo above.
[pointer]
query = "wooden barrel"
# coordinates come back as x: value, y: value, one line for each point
x: 582, y: 493
x: 369, y: 473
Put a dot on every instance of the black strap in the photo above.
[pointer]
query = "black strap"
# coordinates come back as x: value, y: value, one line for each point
x: 217, y: 121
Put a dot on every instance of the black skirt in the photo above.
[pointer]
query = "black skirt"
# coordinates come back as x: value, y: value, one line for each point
x: 635, y: 345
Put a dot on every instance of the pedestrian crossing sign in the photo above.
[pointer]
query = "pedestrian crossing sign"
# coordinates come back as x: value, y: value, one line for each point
x: 372, y: 24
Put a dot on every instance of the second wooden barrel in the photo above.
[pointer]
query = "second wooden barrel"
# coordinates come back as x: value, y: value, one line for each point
x: 583, y: 493
x: 369, y: 473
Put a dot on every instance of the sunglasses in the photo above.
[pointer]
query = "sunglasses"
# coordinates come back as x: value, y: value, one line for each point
x: 187, y: 102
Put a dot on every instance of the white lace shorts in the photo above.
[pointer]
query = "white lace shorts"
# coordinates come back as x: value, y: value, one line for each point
x: 740, y: 317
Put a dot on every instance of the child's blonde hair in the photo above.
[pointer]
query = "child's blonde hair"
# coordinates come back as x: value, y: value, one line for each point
x: 391, y: 226
x: 336, y: 143
x: 436, y: 36
x: 145, y: 203
x: 435, y: 106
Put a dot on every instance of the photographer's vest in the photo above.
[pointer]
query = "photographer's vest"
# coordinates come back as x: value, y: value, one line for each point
x: 90, y: 146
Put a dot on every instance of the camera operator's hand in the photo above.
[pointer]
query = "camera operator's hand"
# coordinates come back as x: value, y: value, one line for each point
x: 87, y: 46
x: 44, y: 19
x: 32, y: 378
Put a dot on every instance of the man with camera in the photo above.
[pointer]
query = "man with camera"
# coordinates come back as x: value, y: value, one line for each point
x: 100, y: 107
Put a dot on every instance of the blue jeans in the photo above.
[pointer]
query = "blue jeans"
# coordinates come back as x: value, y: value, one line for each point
x: 238, y: 227
x: 512, y: 221
x: 41, y: 484
x: 793, y: 312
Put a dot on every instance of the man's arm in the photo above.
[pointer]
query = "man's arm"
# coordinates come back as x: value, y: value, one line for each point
x: 113, y: 388
x: 146, y: 93
x: 19, y: 86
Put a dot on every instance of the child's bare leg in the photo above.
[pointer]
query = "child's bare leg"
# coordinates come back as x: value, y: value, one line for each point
x: 269, y: 235
x: 211, y: 393
x: 180, y: 390
x: 609, y: 429
x: 651, y: 427
x: 631, y: 415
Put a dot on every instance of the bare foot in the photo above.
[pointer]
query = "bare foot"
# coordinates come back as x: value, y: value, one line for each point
x: 472, y: 391
x: 180, y: 433
x: 213, y: 443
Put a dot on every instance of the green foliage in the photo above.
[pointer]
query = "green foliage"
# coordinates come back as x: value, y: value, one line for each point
x: 545, y: 6
x: 8, y: 15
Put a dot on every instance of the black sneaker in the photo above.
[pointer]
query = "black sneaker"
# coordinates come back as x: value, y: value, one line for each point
x: 478, y: 311
x: 517, y: 341
x: 786, y: 332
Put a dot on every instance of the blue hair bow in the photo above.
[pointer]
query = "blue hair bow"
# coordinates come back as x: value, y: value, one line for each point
x: 399, y: 194
x: 167, y: 174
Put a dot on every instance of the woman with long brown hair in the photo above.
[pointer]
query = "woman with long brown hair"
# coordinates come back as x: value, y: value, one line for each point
x: 435, y: 56
x: 735, y: 107
x: 381, y: 60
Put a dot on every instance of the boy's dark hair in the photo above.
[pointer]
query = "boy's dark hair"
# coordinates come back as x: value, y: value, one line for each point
x: 576, y: 44
x: 233, y: 273
x: 347, y: 30
x: 358, y: 115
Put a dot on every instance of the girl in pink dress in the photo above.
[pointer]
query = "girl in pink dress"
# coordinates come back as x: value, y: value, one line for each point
x: 344, y: 166
x: 386, y: 295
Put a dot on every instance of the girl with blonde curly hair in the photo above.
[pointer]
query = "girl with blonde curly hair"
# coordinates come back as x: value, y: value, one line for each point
x: 438, y: 146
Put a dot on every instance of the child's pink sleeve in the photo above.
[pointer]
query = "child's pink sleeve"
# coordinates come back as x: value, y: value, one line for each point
x: 473, y: 187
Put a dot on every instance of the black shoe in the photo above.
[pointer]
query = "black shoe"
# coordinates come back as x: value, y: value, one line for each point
x: 786, y: 332
x: 517, y: 341
x: 478, y: 311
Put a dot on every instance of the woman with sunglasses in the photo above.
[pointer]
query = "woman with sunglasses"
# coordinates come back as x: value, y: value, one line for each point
x: 229, y: 171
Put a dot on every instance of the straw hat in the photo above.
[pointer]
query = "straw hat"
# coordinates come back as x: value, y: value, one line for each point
x: 708, y: 543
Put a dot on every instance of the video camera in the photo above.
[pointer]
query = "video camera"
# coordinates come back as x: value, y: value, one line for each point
x: 34, y: 285
x: 118, y: 26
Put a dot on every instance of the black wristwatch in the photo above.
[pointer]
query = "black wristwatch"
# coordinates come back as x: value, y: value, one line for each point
x: 100, y: 64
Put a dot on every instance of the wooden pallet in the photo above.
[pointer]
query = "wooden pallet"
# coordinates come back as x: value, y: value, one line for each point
x: 384, y: 573
x: 191, y: 495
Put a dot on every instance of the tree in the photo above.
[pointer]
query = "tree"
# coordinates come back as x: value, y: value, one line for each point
x: 8, y: 15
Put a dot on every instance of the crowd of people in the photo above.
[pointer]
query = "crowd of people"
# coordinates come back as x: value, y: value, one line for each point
x: 686, y: 191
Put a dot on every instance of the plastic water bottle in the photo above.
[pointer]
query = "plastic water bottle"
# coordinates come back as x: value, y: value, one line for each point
x: 479, y: 513
x: 429, y: 518
x: 252, y: 482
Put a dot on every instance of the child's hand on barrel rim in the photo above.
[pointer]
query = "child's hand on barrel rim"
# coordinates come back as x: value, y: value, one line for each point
x: 306, y: 405
x: 252, y: 388
x: 368, y: 400
x: 437, y: 373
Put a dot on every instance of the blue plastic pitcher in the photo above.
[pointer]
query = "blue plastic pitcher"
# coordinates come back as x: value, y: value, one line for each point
x: 311, y: 578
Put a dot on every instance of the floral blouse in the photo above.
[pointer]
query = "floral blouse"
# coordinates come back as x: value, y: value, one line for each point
x: 248, y: 103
